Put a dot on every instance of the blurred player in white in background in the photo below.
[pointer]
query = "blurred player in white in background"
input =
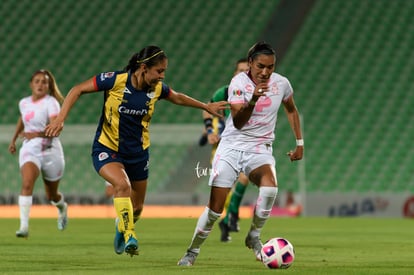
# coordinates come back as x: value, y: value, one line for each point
x: 39, y: 154
x: 246, y: 146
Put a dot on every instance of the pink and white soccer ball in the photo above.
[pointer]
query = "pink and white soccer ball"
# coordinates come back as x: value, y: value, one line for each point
x: 278, y: 253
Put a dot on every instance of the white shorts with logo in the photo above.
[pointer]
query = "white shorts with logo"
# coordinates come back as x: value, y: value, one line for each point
x: 47, y: 156
x: 228, y: 163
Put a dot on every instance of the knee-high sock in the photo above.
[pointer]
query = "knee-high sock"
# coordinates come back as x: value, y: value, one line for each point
x: 235, y: 200
x: 25, y: 203
x: 203, y: 228
x: 264, y: 204
x: 124, y: 211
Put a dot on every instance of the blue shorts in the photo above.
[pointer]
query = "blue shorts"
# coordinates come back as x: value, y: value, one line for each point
x: 136, y: 166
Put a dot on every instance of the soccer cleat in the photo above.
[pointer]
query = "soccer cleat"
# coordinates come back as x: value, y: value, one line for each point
x: 255, y: 244
x: 131, y: 246
x: 22, y: 234
x: 188, y: 259
x: 234, y: 222
x: 63, y: 217
x: 224, y: 228
x: 119, y: 241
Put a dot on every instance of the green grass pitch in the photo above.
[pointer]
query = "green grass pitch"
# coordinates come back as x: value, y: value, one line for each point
x: 322, y: 246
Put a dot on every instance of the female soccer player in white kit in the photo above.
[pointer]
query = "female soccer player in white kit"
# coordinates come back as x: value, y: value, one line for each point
x: 246, y: 146
x: 39, y: 154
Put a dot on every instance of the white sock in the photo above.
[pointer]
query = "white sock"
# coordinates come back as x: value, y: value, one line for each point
x: 60, y: 204
x: 203, y: 228
x: 264, y: 204
x: 25, y: 203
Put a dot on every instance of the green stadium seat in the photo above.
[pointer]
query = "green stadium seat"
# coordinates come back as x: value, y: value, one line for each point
x: 350, y: 65
x: 352, y: 82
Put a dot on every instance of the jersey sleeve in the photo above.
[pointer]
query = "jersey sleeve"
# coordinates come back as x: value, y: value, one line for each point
x: 105, y: 81
x: 287, y: 90
x: 53, y: 107
x: 20, y: 105
x: 165, y: 91
x: 236, y: 91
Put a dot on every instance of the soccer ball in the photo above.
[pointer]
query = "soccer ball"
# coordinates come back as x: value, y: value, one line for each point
x: 278, y: 253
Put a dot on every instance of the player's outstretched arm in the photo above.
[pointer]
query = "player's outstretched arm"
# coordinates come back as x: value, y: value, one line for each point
x: 213, y: 108
x: 56, y: 126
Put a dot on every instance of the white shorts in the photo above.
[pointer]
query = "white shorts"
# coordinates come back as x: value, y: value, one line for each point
x: 228, y: 163
x: 48, y: 157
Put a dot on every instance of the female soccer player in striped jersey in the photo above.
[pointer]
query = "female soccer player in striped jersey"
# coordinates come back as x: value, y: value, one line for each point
x: 120, y: 149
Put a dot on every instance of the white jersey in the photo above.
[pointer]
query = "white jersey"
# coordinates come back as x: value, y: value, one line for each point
x: 36, y: 114
x: 46, y: 153
x: 258, y: 133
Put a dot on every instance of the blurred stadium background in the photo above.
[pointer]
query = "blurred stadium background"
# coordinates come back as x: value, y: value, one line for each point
x: 350, y: 63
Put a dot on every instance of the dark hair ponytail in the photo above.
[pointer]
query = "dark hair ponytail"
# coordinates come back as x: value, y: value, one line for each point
x: 150, y: 56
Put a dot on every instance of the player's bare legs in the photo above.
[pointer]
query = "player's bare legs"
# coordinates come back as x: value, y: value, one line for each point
x: 138, y: 191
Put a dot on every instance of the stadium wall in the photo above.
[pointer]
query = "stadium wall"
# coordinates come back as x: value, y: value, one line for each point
x: 368, y: 204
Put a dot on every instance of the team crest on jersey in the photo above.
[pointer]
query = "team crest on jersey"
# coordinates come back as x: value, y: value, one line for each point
x: 102, y: 156
x: 107, y: 75
x: 249, y: 88
x: 151, y: 94
x: 237, y: 92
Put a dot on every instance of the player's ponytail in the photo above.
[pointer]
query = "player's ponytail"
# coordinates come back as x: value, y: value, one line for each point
x: 132, y: 64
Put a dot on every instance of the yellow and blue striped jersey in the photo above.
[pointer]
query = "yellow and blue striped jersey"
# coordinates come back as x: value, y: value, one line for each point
x: 127, y: 112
